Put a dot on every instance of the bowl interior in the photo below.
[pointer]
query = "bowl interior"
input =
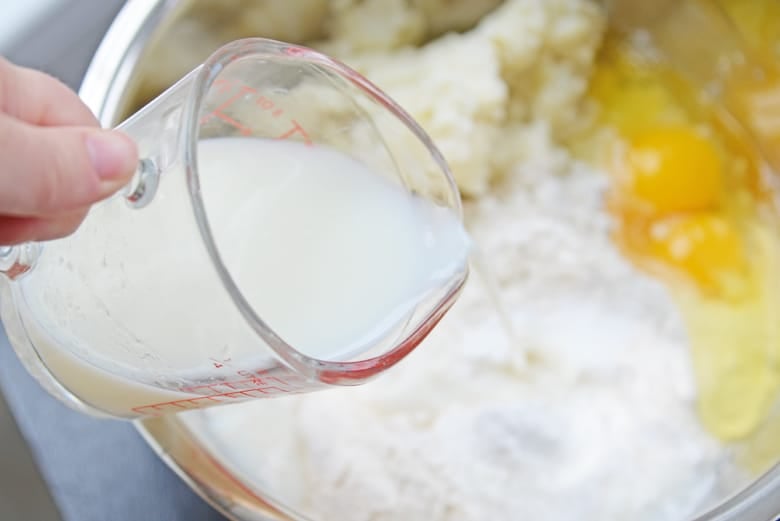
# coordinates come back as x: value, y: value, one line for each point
x: 165, y: 47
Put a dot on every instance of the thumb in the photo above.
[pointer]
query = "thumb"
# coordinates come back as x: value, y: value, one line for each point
x: 51, y: 170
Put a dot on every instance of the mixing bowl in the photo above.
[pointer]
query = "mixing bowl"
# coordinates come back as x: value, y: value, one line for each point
x: 120, y: 79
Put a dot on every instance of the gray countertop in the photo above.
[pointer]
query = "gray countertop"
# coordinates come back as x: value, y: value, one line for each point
x: 97, y: 470
x: 23, y: 492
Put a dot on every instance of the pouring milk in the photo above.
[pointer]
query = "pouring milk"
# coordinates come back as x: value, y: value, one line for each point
x: 331, y: 256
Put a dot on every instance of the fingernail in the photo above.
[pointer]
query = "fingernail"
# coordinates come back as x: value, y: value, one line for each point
x: 113, y: 155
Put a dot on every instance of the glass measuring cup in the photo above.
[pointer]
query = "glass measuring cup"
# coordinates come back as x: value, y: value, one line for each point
x: 147, y: 308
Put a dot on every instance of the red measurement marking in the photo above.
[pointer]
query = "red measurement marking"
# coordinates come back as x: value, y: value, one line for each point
x: 235, y: 385
x: 219, y: 111
x: 296, y: 129
x: 295, y: 51
x: 219, y: 363
x: 237, y: 124
x: 201, y: 401
x: 225, y: 86
x: 264, y: 103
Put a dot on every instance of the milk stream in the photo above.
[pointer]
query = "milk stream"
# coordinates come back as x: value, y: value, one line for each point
x: 333, y: 257
x: 480, y: 267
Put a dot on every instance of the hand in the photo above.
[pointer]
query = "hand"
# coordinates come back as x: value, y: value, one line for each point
x: 55, y: 160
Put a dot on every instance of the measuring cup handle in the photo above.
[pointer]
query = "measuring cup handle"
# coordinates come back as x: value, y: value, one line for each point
x: 15, y: 261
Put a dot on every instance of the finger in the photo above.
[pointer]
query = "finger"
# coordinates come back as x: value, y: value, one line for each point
x: 40, y: 99
x: 16, y: 230
x: 51, y: 170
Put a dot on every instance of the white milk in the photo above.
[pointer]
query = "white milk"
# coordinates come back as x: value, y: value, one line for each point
x: 330, y: 255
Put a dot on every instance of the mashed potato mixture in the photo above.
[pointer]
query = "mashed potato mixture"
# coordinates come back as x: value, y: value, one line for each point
x: 584, y: 408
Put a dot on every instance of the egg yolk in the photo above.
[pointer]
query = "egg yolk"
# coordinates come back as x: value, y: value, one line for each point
x: 704, y: 246
x: 670, y: 170
x: 687, y: 205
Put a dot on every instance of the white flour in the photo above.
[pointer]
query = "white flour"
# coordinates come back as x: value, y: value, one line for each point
x: 588, y: 415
